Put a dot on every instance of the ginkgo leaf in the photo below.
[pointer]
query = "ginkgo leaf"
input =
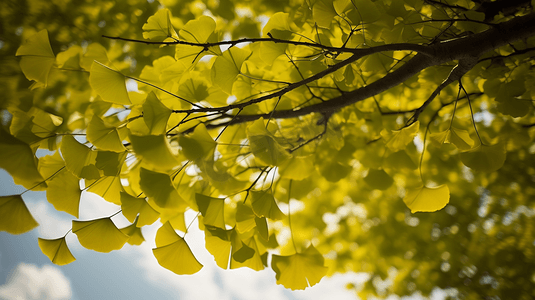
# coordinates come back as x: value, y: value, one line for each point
x: 300, y: 270
x: 278, y: 21
x: 133, y: 231
x: 100, y: 234
x: 218, y: 244
x: 227, y: 67
x: 64, y: 192
x: 459, y: 137
x: 398, y: 139
x: 50, y: 164
x: 37, y: 57
x: 104, y: 137
x: 76, y: 155
x: 107, y: 187
x: 245, y: 218
x: 155, y: 151
x: 56, y: 250
x: 197, y: 145
x: 159, y: 27
x: 133, y: 206
x: 427, y: 199
x: 264, y: 205
x: 246, y: 254
x: 94, y: 52
x: 173, y: 253
x: 110, y: 162
x: 297, y: 168
x: 378, y: 179
x: 19, y: 161
x: 109, y: 84
x: 264, y: 146
x: 159, y: 188
x: 15, y: 218
x: 485, y: 158
x: 212, y: 210
x: 200, y: 30
x: 155, y: 114
x: 323, y: 13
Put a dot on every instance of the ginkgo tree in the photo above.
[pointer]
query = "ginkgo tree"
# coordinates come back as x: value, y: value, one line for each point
x: 388, y: 137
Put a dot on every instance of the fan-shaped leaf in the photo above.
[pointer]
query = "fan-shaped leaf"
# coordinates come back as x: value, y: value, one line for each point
x: 57, y: 251
x: 264, y: 146
x: 15, y: 218
x: 378, y: 179
x: 159, y: 188
x: 198, y: 145
x: 212, y: 210
x: 37, y: 57
x: 133, y: 206
x: 64, y: 192
x: 227, y: 67
x: 300, y: 270
x: 397, y: 140
x: 173, y: 253
x: 109, y: 84
x: 107, y: 187
x: 100, y: 234
x: 104, y: 137
x: 427, y: 199
x: 159, y: 27
x: 485, y: 158
x: 76, y: 155
x: 155, y: 151
x: 155, y: 114
x: 245, y: 218
x: 264, y: 205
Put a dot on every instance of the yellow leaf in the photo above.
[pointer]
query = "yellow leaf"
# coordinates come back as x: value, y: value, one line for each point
x: 297, y: 168
x: 264, y: 205
x: 100, y: 234
x: 427, y: 199
x: 64, y: 192
x: 218, y: 244
x: 57, y: 251
x: 264, y: 145
x: 212, y: 209
x: 155, y: 152
x: 133, y: 206
x: 109, y: 84
x: 460, y: 138
x: 245, y: 218
x: 485, y: 158
x: 159, y: 27
x: 300, y: 270
x: 173, y: 253
x: 15, y: 218
x: 399, y: 139
x: 155, y: 114
x: 107, y: 187
x: 37, y: 57
x: 160, y: 190
x: 104, y: 137
x: 134, y: 232
x: 76, y: 155
x: 198, y: 145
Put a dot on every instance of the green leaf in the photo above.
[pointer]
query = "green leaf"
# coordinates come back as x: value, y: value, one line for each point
x: 37, y: 57
x: 132, y: 206
x: 300, y: 270
x: 227, y: 67
x: 109, y: 84
x: 173, y: 253
x: 56, y: 250
x: 155, y: 114
x: 485, y: 158
x: 155, y: 152
x: 64, y: 192
x: 104, y: 137
x: 15, y: 218
x: 264, y: 205
x: 159, y: 27
x: 18, y: 160
x: 100, y: 234
x: 212, y: 210
x: 397, y: 140
x: 159, y: 188
x: 378, y: 179
x: 264, y: 146
x: 427, y: 199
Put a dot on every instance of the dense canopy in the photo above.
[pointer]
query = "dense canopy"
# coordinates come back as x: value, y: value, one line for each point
x: 388, y: 137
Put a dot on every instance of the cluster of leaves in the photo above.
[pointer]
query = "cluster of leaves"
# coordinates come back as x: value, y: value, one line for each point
x: 323, y: 111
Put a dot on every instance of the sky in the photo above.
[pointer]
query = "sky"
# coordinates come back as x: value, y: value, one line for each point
x: 132, y: 272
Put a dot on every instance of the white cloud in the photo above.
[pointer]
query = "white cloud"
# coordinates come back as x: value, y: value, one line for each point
x: 27, y: 281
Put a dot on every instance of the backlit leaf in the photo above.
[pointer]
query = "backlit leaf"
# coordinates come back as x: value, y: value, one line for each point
x: 37, y: 57
x: 109, y: 84
x: 227, y: 67
x: 264, y: 205
x: 398, y: 139
x: 155, y: 114
x: 159, y: 188
x: 103, y: 136
x: 56, y: 250
x: 264, y: 146
x: 133, y: 231
x: 76, y: 155
x: 133, y: 206
x: 15, y: 218
x: 64, y: 192
x: 159, y: 27
x: 173, y: 253
x: 378, y: 179
x: 155, y: 151
x: 212, y: 210
x: 198, y: 145
x: 107, y: 187
x: 245, y: 218
x: 300, y: 270
x: 100, y: 234
x: 426, y: 199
